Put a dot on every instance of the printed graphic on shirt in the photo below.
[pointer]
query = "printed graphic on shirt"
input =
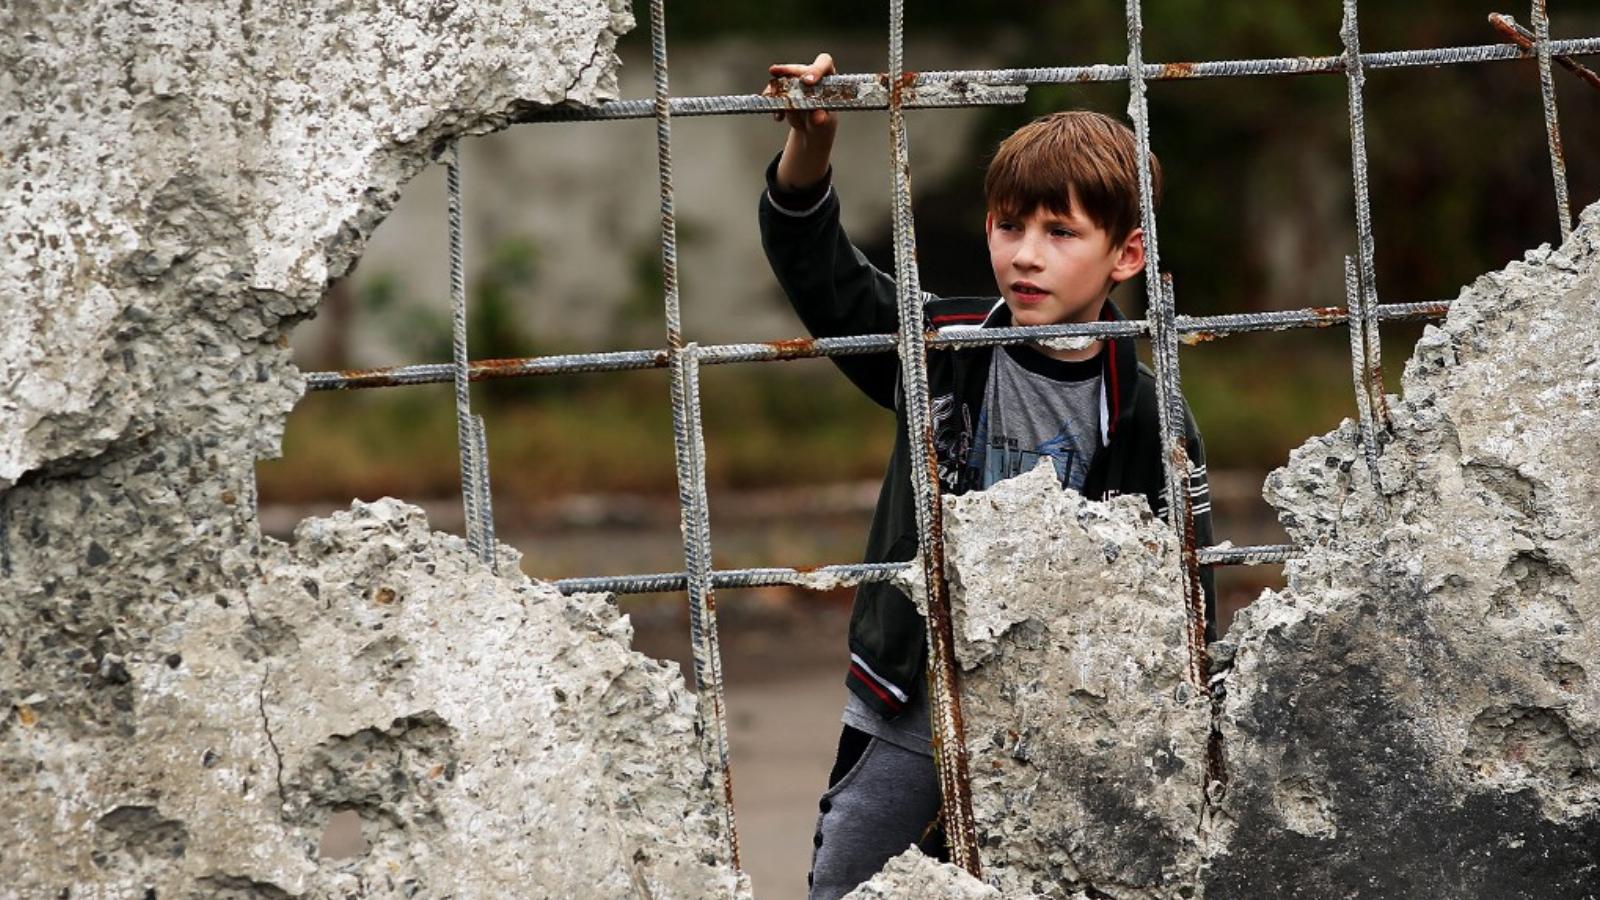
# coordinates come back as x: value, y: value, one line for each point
x: 950, y: 435
x: 1002, y: 457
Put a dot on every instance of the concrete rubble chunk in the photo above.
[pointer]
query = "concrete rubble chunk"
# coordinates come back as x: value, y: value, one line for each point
x: 1418, y: 714
x: 1087, y: 745
x: 181, y: 181
x: 185, y: 706
x: 911, y: 874
x: 493, y: 737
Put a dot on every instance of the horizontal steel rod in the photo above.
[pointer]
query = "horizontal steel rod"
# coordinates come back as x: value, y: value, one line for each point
x: 822, y: 578
x: 1193, y: 329
x: 977, y: 87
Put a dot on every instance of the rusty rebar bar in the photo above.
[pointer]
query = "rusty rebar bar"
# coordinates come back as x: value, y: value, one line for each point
x: 923, y: 92
x: 944, y: 701
x: 1164, y: 352
x: 689, y: 452
x: 1524, y: 39
x: 844, y: 575
x: 1191, y: 330
x: 466, y: 440
x: 1540, y: 16
x: 1366, y: 247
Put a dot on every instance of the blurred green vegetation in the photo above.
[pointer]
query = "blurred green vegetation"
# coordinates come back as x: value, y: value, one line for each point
x: 601, y: 433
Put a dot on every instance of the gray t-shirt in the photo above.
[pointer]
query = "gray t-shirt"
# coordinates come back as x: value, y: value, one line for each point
x: 1033, y: 407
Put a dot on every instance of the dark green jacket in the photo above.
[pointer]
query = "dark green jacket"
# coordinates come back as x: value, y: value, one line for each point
x: 838, y: 293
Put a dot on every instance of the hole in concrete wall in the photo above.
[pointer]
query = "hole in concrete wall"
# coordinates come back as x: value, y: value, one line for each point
x: 342, y: 839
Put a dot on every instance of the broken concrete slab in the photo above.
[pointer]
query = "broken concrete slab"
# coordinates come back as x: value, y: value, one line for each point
x: 180, y: 181
x: 912, y: 874
x: 1418, y: 713
x: 1087, y: 745
x: 494, y: 737
x: 183, y: 705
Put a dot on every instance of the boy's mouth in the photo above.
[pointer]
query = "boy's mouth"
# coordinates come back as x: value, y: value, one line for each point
x: 1027, y: 290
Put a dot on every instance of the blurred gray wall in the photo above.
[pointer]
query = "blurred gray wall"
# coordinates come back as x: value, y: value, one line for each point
x: 585, y: 196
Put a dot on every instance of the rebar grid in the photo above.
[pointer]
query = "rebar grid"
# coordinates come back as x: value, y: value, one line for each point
x: 896, y: 91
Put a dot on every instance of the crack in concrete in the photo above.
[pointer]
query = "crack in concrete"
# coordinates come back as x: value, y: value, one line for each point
x: 266, y: 726
x: 261, y: 706
x: 594, y: 56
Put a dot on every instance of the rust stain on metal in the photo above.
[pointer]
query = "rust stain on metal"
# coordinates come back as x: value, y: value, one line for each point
x: 830, y: 93
x: 1199, y: 658
x: 1556, y: 148
x: 490, y: 369
x: 727, y: 791
x: 1508, y: 27
x: 898, y: 88
x: 1523, y: 38
x: 1199, y: 337
x: 1177, y: 70
x: 661, y: 359
x: 793, y: 348
x: 1216, y: 762
x: 952, y: 760
x: 1327, y: 316
x: 1380, y: 401
x: 354, y: 378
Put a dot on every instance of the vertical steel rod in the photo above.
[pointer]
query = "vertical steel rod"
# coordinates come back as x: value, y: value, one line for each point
x: 1164, y: 348
x: 944, y: 707
x: 1364, y: 418
x: 1552, y: 122
x: 466, y: 444
x: 689, y: 449
x: 485, y: 496
x: 1372, y: 362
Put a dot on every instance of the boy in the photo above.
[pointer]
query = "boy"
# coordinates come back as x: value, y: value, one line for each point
x: 1063, y: 230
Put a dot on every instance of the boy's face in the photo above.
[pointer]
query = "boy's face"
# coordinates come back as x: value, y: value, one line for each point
x: 1053, y: 268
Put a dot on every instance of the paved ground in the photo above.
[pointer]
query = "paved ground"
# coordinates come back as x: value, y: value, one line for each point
x: 783, y: 664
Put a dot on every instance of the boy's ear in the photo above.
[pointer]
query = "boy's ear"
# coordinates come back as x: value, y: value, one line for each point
x: 988, y: 223
x: 1130, y: 257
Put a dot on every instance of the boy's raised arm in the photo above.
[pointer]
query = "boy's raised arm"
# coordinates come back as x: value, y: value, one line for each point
x: 805, y: 157
x: 833, y: 288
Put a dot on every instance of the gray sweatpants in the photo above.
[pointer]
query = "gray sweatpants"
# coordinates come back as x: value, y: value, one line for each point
x: 874, y: 812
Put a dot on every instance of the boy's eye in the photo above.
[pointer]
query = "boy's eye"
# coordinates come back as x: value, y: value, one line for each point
x: 1063, y: 232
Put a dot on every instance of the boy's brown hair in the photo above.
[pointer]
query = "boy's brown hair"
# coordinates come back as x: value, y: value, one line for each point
x: 1066, y: 156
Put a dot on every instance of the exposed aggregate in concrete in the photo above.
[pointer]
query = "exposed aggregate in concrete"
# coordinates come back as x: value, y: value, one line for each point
x: 1418, y: 714
x: 1087, y: 745
x: 912, y: 874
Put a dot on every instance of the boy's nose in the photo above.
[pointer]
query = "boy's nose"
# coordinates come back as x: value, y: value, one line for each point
x: 1027, y: 255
